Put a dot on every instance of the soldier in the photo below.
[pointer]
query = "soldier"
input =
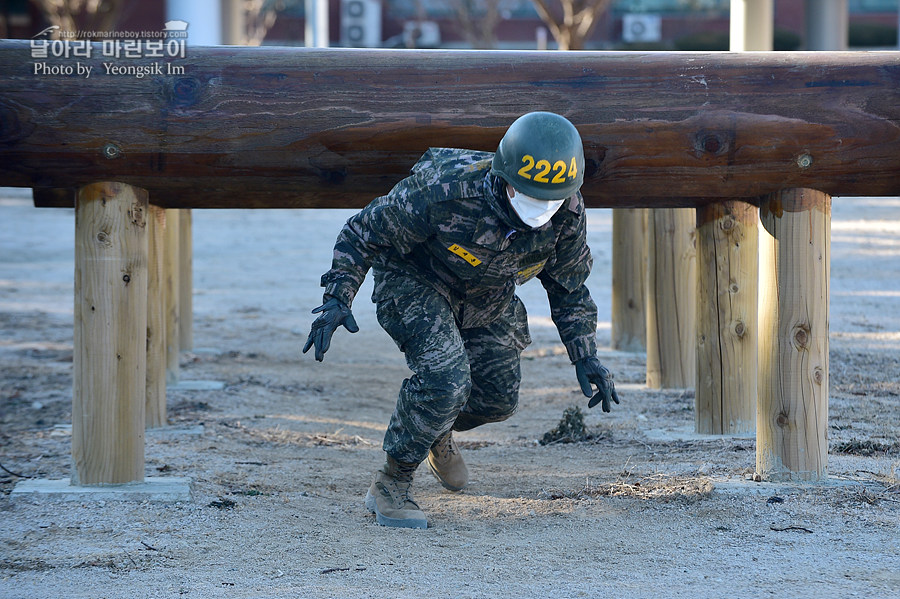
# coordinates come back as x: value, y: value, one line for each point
x: 447, y: 246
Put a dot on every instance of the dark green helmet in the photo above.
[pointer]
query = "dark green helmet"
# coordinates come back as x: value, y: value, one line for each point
x: 541, y: 155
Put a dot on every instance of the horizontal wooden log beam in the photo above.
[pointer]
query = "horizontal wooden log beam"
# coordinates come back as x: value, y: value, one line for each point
x: 302, y: 127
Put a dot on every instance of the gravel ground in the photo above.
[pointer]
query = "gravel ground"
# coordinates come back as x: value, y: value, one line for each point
x: 281, y: 457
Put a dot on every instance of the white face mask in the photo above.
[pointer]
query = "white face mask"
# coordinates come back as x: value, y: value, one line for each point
x: 533, y: 212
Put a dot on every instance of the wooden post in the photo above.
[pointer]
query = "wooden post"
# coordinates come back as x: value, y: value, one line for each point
x: 671, y: 298
x: 792, y: 415
x: 727, y: 268
x: 156, y: 320
x: 752, y: 25
x: 629, y: 280
x: 827, y: 25
x: 110, y: 334
x: 172, y: 282
x: 186, y: 281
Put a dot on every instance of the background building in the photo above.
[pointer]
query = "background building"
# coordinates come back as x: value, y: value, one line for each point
x: 628, y: 24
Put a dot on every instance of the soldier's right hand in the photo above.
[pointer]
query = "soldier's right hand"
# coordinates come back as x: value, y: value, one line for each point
x: 332, y: 314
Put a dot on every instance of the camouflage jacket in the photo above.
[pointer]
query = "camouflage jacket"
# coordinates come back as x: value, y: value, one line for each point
x: 447, y: 226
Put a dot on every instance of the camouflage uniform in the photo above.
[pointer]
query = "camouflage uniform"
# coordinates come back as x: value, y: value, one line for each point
x: 446, y: 255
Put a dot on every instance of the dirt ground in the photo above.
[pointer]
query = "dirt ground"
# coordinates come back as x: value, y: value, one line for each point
x: 280, y: 459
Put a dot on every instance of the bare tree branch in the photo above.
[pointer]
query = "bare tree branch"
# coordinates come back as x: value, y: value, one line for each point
x: 260, y: 17
x: 82, y: 15
x: 578, y: 19
x: 478, y: 26
x: 543, y: 10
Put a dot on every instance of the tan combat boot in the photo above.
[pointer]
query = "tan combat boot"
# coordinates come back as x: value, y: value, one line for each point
x: 447, y: 464
x: 389, y: 496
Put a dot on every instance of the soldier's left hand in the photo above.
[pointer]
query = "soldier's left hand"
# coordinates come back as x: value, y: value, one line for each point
x: 590, y: 371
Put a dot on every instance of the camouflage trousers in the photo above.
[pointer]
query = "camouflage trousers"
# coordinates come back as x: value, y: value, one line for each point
x: 462, y: 378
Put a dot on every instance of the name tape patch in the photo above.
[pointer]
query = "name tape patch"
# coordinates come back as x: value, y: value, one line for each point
x: 464, y: 254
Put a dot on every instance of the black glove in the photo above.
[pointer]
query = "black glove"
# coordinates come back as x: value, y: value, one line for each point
x: 334, y: 313
x: 590, y: 370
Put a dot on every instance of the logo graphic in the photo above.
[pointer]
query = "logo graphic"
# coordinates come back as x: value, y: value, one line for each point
x: 176, y: 28
x: 48, y: 32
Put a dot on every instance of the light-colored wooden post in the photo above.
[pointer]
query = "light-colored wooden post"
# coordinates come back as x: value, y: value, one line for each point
x: 629, y: 279
x: 156, y: 320
x: 752, y: 25
x: 792, y: 417
x: 671, y: 298
x: 186, y: 281
x: 172, y: 283
x: 827, y: 25
x: 727, y: 283
x: 110, y: 334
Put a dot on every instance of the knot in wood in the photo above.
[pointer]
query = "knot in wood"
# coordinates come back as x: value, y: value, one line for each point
x: 727, y: 223
x: 714, y: 143
x: 739, y: 329
x: 782, y: 420
x: 818, y: 375
x: 801, y: 337
x: 185, y: 92
x: 103, y: 239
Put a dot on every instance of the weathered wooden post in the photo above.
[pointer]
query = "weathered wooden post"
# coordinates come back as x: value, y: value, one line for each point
x: 728, y: 273
x: 629, y: 279
x: 172, y: 283
x: 671, y: 298
x: 110, y: 334
x: 727, y: 258
x: 185, y: 280
x: 156, y: 320
x: 793, y: 359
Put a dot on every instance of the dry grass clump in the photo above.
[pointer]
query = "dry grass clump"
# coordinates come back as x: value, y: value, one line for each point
x: 571, y: 429
x: 659, y: 487
x: 280, y: 436
x: 864, y: 447
x: 890, y: 492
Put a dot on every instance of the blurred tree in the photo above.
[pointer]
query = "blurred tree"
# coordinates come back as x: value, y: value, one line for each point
x: 82, y: 15
x: 248, y: 22
x: 576, y: 21
x: 4, y: 19
x: 477, y: 21
x: 260, y: 16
